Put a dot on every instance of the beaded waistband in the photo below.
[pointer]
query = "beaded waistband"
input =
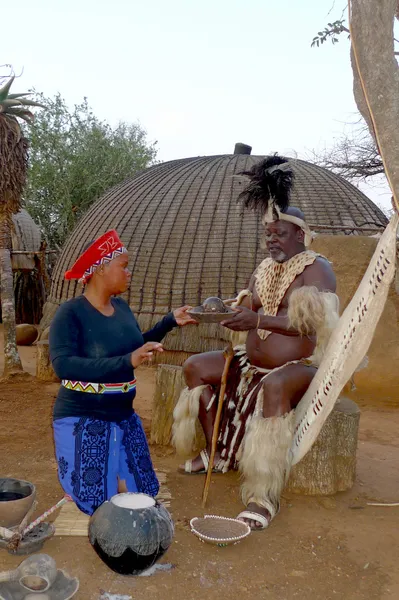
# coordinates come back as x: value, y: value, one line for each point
x: 99, y: 388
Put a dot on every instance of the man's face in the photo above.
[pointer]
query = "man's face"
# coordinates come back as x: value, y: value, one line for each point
x: 283, y: 240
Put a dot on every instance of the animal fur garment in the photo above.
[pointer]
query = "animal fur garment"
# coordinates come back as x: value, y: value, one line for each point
x: 265, y: 460
x: 314, y: 313
x: 273, y: 279
x: 185, y: 416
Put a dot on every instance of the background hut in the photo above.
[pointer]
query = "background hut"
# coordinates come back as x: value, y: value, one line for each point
x: 28, y: 268
x: 188, y: 239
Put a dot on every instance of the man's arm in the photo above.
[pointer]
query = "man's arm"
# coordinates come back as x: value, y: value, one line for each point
x: 319, y: 275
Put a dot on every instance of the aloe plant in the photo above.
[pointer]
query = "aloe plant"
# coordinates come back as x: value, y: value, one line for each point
x: 14, y: 106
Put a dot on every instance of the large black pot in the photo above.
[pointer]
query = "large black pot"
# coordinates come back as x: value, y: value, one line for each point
x: 130, y: 540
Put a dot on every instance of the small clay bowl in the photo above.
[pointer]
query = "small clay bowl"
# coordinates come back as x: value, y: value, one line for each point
x: 16, y: 498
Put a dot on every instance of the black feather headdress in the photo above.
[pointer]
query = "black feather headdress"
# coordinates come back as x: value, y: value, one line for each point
x: 270, y: 184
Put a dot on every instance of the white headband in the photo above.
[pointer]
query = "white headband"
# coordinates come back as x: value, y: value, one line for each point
x: 270, y: 218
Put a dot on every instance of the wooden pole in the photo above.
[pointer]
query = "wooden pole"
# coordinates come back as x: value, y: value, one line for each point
x: 33, y: 252
x: 349, y: 228
x: 228, y: 355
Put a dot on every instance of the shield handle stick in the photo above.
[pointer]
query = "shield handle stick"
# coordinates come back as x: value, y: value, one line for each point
x: 228, y: 355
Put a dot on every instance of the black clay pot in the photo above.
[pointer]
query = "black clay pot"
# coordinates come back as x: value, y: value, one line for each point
x: 131, y: 532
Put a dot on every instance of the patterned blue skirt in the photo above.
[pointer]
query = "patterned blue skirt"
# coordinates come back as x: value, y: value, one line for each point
x: 92, y: 454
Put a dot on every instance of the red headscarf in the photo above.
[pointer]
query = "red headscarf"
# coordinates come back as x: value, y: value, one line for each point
x: 101, y: 252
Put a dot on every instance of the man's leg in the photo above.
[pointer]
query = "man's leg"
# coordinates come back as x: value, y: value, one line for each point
x: 204, y: 370
x: 282, y: 391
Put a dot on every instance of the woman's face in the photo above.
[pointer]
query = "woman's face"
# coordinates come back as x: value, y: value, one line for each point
x: 117, y: 275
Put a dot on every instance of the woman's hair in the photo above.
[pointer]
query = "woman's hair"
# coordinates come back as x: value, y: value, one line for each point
x: 86, y: 247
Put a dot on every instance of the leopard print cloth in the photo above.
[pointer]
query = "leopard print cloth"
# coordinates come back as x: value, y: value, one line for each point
x: 272, y: 280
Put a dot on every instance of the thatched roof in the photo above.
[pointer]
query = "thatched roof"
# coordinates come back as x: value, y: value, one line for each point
x: 188, y: 238
x: 27, y: 237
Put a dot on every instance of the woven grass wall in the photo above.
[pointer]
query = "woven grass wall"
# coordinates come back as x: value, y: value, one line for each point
x: 26, y: 236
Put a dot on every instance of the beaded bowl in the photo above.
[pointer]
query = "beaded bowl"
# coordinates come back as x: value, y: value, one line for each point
x: 220, y: 531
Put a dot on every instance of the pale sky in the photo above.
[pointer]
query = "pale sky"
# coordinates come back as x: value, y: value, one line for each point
x: 198, y: 76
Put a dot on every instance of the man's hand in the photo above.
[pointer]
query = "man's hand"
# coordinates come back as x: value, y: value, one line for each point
x: 182, y: 318
x: 243, y: 320
x: 145, y: 353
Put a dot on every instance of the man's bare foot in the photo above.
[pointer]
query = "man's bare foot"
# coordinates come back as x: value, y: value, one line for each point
x: 255, y: 508
x: 199, y: 464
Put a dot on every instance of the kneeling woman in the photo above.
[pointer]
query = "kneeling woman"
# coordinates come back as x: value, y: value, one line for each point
x: 95, y: 345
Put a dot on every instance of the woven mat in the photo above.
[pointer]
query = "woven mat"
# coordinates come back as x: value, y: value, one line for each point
x: 71, y: 521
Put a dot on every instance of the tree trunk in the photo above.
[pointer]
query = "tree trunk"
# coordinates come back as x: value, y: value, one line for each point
x: 376, y: 78
x: 330, y: 465
x: 12, y: 361
x: 44, y: 368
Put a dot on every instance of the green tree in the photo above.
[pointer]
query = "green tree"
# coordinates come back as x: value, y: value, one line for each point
x: 13, y: 167
x: 74, y: 158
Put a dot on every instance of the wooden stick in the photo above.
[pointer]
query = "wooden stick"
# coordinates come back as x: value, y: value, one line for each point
x: 228, y: 355
x: 375, y: 229
x: 382, y: 504
x: 8, y: 534
x: 46, y: 514
x: 27, y: 252
x: 26, y: 518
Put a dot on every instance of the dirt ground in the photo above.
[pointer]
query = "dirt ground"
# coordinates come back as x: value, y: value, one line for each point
x: 317, y: 548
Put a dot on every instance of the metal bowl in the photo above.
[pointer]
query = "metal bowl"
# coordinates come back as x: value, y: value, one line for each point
x: 210, y: 317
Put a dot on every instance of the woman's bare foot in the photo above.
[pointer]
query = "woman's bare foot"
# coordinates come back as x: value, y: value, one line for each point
x: 255, y: 508
x: 199, y: 464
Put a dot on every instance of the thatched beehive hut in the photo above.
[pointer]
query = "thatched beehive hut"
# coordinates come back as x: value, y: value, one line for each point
x: 188, y: 239
x: 29, y: 272
x: 26, y: 237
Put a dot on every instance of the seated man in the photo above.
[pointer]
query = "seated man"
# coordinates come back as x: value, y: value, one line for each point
x: 288, y: 313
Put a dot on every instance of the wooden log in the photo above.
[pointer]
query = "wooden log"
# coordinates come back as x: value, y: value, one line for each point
x: 169, y: 384
x: 44, y: 368
x: 330, y: 465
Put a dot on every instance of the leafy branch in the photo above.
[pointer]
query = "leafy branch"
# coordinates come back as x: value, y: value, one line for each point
x: 332, y: 31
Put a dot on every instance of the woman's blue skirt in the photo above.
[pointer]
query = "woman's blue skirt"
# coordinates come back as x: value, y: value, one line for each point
x: 93, y: 454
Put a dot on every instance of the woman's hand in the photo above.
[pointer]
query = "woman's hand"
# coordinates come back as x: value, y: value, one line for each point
x: 182, y: 318
x: 243, y: 320
x: 145, y: 353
